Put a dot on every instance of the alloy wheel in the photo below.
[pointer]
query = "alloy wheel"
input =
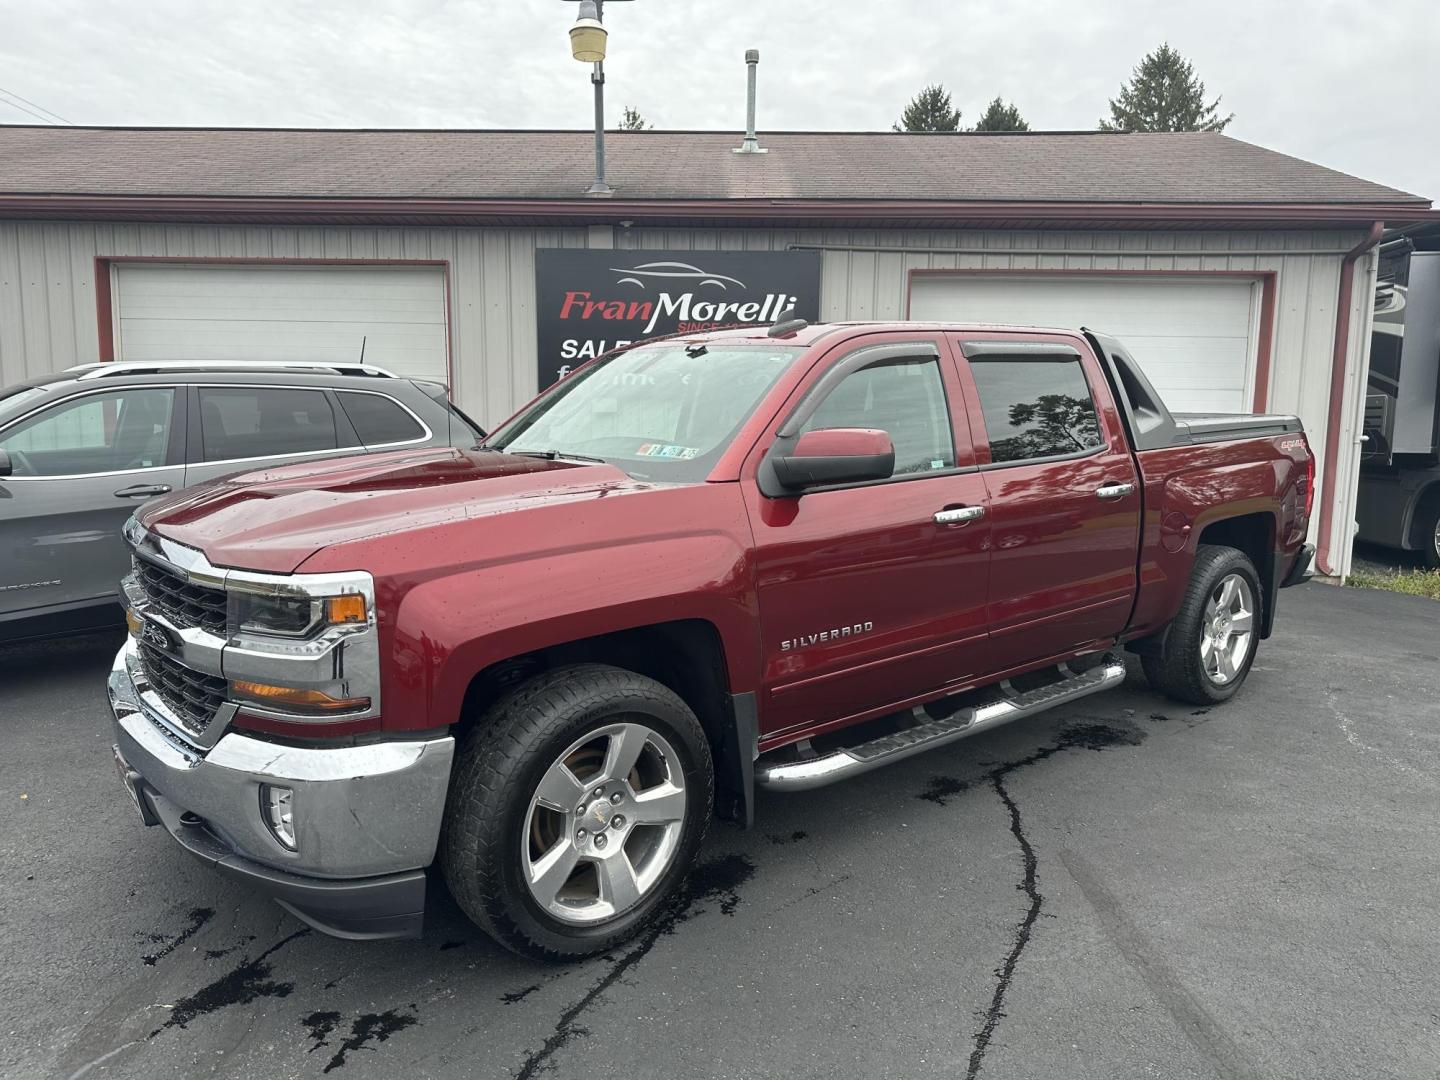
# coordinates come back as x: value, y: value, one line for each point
x: 604, y: 823
x: 1229, y: 624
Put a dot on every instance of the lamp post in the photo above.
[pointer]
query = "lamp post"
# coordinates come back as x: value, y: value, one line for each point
x: 587, y: 44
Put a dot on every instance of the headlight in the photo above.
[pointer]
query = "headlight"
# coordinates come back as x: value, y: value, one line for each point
x: 295, y: 616
x: 287, y: 616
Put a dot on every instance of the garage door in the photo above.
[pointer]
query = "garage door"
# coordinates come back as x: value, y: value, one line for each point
x: 179, y: 311
x: 1195, y: 337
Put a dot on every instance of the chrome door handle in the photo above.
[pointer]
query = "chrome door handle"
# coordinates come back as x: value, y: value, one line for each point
x: 959, y: 515
x: 1114, y: 491
x: 143, y: 491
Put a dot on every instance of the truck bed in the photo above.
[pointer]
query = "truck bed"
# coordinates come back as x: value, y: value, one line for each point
x: 1220, y: 427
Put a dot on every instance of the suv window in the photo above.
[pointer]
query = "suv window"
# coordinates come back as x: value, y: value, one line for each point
x: 905, y: 398
x: 379, y: 419
x: 114, y: 431
x: 1036, y: 408
x: 264, y: 421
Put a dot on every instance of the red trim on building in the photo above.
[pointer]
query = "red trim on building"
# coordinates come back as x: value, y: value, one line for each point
x: 895, y: 212
x: 1265, y: 334
x: 105, y: 308
x: 1265, y: 345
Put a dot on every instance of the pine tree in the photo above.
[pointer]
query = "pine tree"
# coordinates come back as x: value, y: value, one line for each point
x: 1164, y: 95
x: 929, y: 110
x: 1001, y: 117
x: 633, y: 121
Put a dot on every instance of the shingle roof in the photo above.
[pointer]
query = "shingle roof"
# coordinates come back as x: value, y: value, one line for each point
x: 1191, y: 168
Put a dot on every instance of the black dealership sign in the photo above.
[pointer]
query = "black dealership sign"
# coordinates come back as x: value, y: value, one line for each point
x: 589, y: 302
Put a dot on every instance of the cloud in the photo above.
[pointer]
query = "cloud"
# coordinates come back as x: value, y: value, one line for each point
x: 1334, y: 83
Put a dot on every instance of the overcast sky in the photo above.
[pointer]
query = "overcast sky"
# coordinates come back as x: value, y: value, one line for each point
x: 1346, y: 83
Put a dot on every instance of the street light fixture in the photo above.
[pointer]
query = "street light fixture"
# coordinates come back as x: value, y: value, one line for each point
x: 587, y: 36
x: 587, y: 44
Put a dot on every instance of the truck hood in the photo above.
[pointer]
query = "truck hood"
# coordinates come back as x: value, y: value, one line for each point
x: 274, y: 519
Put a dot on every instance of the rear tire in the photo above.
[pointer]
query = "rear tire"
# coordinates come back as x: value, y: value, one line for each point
x: 576, y: 808
x: 1430, y: 536
x: 1211, y: 643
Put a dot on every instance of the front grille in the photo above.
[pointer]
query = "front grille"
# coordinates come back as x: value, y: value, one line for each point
x: 186, y: 603
x: 192, y: 696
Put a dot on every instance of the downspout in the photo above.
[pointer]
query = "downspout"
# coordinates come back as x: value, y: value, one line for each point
x: 1337, y: 392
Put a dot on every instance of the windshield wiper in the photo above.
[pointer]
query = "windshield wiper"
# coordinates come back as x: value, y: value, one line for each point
x: 555, y: 455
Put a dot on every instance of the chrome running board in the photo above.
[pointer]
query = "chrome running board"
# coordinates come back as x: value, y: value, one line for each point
x: 929, y: 733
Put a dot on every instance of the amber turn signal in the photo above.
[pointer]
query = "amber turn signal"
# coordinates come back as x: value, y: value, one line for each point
x: 313, y: 700
x: 133, y: 621
x: 340, y: 610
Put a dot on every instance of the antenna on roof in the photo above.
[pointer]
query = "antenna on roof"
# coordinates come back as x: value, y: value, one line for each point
x: 787, y: 324
x: 363, y: 338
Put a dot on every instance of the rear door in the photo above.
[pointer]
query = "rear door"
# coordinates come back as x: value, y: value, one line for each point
x: 865, y: 598
x: 80, y: 468
x: 237, y: 427
x: 1063, y: 491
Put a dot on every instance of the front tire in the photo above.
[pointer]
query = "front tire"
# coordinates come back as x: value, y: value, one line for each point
x: 1211, y: 643
x: 576, y: 808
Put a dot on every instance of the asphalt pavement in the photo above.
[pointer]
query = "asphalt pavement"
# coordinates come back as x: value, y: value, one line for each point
x: 1124, y: 888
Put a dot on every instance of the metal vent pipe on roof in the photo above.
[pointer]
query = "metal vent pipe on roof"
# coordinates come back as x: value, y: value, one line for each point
x: 751, y: 145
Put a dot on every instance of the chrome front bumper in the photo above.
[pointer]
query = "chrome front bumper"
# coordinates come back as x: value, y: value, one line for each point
x: 360, y: 811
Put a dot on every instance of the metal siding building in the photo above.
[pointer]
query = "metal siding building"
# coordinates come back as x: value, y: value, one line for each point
x: 65, y: 297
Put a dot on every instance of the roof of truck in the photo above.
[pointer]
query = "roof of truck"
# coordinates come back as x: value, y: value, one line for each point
x: 813, y: 332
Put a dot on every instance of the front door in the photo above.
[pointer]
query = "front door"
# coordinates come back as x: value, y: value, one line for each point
x: 1064, y: 499
x: 79, y: 468
x: 865, y: 599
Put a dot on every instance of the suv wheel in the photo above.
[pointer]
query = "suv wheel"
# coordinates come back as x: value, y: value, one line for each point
x: 1211, y: 643
x: 577, y: 806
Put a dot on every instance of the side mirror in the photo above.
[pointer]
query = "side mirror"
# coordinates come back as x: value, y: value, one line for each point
x: 6, y: 466
x: 836, y: 456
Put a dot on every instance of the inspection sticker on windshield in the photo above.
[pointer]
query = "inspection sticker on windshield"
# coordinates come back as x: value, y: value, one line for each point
x: 665, y: 450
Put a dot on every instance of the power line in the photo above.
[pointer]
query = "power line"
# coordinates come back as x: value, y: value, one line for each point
x: 31, y: 111
x: 28, y: 112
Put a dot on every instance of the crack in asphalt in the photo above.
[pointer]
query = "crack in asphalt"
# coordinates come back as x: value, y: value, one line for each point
x: 198, y: 918
x: 719, y: 877
x: 239, y: 986
x: 367, y: 1027
x: 1089, y: 736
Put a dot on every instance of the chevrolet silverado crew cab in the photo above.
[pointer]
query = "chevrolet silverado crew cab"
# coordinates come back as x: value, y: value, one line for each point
x: 695, y: 567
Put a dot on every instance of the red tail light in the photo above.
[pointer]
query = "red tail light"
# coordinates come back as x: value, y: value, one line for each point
x: 1309, y: 479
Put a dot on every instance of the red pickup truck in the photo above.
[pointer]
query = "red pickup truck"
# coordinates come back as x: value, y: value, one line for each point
x: 695, y: 567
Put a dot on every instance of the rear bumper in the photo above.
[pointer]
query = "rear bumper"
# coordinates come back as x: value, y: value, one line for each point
x: 366, y: 818
x: 1300, y: 571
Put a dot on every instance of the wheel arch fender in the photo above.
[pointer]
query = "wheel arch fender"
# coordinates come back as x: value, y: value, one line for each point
x: 1424, y: 500
x: 680, y: 610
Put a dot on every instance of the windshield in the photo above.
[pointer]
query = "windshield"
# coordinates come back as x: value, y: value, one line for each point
x: 16, y: 401
x: 661, y: 412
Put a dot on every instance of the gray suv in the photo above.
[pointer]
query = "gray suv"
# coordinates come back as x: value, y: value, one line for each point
x: 79, y: 451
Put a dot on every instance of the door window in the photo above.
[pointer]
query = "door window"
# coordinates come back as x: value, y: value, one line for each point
x: 1036, y: 408
x: 906, y: 399
x: 113, y: 431
x: 379, y: 419
x: 264, y: 421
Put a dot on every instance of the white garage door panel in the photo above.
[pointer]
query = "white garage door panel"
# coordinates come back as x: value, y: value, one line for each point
x: 169, y: 311
x: 1193, y: 336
